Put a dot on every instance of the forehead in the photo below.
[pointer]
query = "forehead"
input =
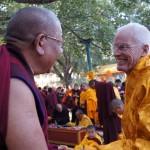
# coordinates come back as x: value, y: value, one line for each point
x: 58, y: 30
x: 90, y: 130
x: 124, y: 36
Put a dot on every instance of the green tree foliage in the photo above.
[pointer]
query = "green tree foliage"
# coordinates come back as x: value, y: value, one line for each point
x: 84, y: 19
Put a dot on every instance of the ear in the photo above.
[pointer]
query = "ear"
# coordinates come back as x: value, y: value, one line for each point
x: 39, y: 44
x: 145, y: 50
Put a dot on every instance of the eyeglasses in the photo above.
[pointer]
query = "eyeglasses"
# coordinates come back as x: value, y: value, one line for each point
x: 124, y: 47
x: 61, y: 42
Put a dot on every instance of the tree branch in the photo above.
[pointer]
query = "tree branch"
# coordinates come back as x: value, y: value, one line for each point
x: 61, y: 63
x: 104, y: 49
x: 35, y: 1
x: 74, y: 33
x: 58, y: 73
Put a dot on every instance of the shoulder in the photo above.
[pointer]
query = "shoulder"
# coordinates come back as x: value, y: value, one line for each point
x: 21, y: 115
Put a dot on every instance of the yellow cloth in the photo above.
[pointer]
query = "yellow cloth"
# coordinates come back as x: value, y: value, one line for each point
x: 91, y: 100
x: 71, y: 124
x: 88, y: 142
x: 82, y: 98
x: 85, y: 121
x: 116, y: 93
x: 89, y: 148
x: 136, y: 117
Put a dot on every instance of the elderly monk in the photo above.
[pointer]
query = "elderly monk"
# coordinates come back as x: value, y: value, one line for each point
x: 131, y: 50
x: 52, y: 101
x: 33, y: 43
x: 83, y: 120
x: 89, y: 97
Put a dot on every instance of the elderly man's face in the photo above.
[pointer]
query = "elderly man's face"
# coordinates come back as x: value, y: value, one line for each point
x: 127, y: 50
x: 53, y: 47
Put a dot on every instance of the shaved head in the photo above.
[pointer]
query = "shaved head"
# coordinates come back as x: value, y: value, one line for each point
x: 139, y: 32
x: 28, y: 22
x: 37, y: 34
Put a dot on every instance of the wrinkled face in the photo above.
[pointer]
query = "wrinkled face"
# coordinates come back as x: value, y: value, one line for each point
x: 53, y: 47
x: 127, y: 51
x: 91, y: 133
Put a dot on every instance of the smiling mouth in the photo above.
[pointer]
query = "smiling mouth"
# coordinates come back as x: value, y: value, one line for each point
x: 120, y: 61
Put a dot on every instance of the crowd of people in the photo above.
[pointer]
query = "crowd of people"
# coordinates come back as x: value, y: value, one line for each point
x: 33, y: 42
x: 86, y: 107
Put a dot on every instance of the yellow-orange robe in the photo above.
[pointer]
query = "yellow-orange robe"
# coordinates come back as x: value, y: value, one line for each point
x: 136, y: 117
x: 85, y: 121
x: 82, y: 97
x: 88, y: 142
x: 117, y: 94
x: 91, y: 101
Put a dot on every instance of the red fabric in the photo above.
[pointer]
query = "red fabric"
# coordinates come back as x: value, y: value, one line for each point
x: 4, y: 91
x: 52, y: 101
x: 21, y: 67
x: 105, y: 94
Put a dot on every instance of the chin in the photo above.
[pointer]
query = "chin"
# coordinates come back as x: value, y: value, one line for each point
x: 121, y: 68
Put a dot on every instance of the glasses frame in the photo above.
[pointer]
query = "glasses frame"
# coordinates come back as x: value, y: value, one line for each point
x: 125, y: 48
x: 55, y: 39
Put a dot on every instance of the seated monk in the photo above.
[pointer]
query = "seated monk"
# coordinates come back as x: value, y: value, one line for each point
x: 61, y: 115
x: 82, y: 119
x: 117, y: 107
x: 90, y: 138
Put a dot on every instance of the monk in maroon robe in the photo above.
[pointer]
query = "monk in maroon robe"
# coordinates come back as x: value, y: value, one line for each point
x: 109, y: 120
x: 29, y: 50
x: 52, y: 101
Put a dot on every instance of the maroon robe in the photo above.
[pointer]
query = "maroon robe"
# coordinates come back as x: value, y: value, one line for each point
x: 74, y: 106
x: 4, y: 94
x: 14, y: 65
x: 52, y: 101
x: 105, y: 94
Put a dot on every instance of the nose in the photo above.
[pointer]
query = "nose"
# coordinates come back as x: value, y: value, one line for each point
x: 116, y: 52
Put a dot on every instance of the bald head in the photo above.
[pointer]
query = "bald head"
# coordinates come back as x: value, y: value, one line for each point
x: 59, y: 107
x: 139, y: 32
x: 131, y: 43
x: 117, y: 106
x: 28, y: 22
